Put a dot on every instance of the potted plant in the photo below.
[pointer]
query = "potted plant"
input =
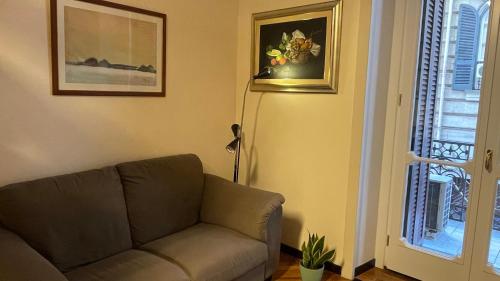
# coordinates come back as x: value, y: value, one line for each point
x: 314, y: 257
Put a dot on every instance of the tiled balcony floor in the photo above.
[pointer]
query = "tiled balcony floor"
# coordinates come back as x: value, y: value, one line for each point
x: 450, y: 240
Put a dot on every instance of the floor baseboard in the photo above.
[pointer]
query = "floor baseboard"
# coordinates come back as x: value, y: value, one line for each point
x: 291, y: 251
x: 364, y: 267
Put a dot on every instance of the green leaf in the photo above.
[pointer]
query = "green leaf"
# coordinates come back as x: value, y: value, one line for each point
x: 309, y: 251
x: 328, y: 256
x: 306, y: 257
x: 314, y: 254
x: 319, y: 244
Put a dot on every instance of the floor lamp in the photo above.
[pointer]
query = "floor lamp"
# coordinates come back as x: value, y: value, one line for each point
x: 235, y: 145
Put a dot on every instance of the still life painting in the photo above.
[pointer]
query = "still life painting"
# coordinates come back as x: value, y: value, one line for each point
x: 299, y: 47
x: 104, y: 48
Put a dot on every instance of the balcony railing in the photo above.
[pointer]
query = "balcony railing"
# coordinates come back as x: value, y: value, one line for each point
x: 452, y: 150
x: 459, y: 152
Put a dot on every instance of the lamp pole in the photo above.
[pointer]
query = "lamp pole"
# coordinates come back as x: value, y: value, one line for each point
x: 235, y: 145
x: 239, y: 135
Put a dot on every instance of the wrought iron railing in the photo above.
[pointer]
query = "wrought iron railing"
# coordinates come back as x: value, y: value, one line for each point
x: 458, y: 152
x: 454, y: 152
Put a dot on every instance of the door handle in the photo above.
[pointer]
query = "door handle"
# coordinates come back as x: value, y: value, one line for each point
x: 488, y: 164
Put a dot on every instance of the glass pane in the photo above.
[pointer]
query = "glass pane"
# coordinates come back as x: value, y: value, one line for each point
x: 449, y: 79
x: 436, y: 207
x: 494, y: 252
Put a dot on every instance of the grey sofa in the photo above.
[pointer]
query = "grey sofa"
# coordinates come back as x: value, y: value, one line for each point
x: 157, y: 219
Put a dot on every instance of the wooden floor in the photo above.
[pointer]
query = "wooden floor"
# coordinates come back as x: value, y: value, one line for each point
x: 288, y: 270
x: 377, y: 274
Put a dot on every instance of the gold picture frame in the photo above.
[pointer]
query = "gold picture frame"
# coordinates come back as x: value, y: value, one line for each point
x: 301, y: 46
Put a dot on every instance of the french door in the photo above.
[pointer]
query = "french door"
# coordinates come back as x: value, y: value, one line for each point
x: 444, y: 221
x: 486, y: 247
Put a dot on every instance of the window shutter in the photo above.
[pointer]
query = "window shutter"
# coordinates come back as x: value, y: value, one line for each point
x: 466, y: 48
x: 425, y: 100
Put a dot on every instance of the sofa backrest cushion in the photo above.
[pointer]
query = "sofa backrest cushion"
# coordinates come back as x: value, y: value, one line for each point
x: 163, y: 195
x: 71, y: 219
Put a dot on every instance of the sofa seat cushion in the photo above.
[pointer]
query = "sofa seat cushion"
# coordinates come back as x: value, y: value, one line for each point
x: 132, y: 265
x: 163, y: 195
x: 210, y: 252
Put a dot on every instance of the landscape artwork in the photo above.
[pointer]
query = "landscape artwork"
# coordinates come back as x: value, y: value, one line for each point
x: 108, y: 49
x: 299, y: 47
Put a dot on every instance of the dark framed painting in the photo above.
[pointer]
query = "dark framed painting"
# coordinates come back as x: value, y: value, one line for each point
x: 101, y: 48
x: 300, y: 48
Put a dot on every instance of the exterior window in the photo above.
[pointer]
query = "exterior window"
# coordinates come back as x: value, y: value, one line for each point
x: 470, y: 49
x: 466, y: 52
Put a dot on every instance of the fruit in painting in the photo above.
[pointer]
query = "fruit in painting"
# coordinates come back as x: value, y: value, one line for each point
x: 295, y: 49
x: 273, y: 53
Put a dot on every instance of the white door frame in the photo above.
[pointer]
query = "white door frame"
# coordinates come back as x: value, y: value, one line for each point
x: 389, y: 134
x: 395, y: 94
x: 491, y: 140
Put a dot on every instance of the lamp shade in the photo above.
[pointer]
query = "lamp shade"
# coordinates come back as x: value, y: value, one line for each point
x: 232, y: 146
x: 236, y: 130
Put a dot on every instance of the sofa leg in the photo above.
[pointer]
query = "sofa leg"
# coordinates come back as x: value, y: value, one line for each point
x: 269, y: 279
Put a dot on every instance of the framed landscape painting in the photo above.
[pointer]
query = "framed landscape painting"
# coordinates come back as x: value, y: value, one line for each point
x: 101, y: 48
x: 299, y: 47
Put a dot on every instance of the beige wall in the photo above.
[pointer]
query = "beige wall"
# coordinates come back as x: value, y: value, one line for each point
x: 307, y: 146
x: 42, y: 135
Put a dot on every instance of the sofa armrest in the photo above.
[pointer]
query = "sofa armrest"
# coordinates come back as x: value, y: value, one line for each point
x: 239, y: 207
x: 254, y: 212
x: 20, y: 262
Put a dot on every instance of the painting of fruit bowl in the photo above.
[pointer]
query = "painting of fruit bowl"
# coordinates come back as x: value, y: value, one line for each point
x: 297, y: 55
x: 299, y: 47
